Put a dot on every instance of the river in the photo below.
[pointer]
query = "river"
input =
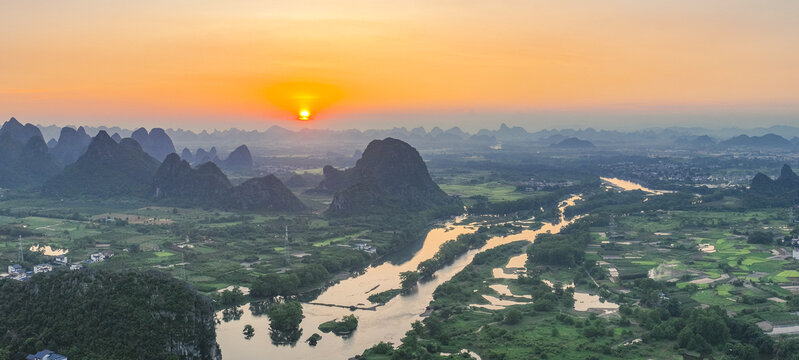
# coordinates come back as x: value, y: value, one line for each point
x: 629, y: 185
x: 386, y: 323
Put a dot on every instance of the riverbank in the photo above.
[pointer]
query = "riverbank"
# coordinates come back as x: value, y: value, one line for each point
x: 387, y: 323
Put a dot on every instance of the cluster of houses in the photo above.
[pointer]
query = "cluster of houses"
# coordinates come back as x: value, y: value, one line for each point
x: 17, y: 272
x: 365, y: 248
x: 534, y: 184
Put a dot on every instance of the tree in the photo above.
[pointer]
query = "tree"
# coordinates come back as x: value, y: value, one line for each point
x: 760, y: 237
x: 793, y: 303
x: 427, y: 268
x: 284, y: 322
x: 788, y: 349
x: 285, y: 316
x: 248, y: 331
x: 231, y: 297
x: 313, y: 339
x: 513, y: 317
x: 271, y: 285
x: 743, y: 352
x: 408, y: 280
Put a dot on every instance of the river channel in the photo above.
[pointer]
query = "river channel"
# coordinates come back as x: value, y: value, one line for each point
x: 386, y: 323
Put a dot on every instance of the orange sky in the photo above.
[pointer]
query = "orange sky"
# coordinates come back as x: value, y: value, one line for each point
x: 210, y: 64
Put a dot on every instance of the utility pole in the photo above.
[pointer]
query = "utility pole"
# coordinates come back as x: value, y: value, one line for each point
x: 183, y: 261
x: 612, y: 226
x: 288, y: 257
x: 21, y: 256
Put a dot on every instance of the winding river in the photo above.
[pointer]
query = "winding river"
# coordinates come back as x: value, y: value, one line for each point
x: 626, y: 185
x: 386, y: 323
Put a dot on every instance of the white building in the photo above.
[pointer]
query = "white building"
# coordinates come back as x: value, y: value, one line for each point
x: 365, y: 248
x: 61, y: 260
x: 42, y: 268
x: 15, y: 269
x: 97, y: 257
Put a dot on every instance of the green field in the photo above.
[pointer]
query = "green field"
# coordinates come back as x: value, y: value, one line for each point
x: 494, y: 191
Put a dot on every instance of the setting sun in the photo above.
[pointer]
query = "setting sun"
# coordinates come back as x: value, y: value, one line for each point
x: 304, y: 115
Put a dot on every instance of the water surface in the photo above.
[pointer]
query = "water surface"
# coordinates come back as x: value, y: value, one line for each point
x: 386, y: 323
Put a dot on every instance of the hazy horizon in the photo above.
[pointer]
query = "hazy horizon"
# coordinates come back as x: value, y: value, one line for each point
x: 472, y: 123
x: 365, y: 64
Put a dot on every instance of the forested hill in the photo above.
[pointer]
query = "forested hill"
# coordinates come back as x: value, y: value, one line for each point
x: 106, y: 315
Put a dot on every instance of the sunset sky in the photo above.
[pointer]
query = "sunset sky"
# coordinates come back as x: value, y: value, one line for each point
x: 378, y: 64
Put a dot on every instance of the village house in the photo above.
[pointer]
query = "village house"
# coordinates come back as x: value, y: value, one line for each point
x: 61, y: 260
x: 15, y: 269
x: 365, y: 248
x: 96, y: 257
x: 16, y: 272
x: 42, y: 268
x: 46, y: 355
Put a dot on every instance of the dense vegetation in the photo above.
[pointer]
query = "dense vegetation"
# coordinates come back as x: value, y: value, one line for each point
x: 284, y: 322
x: 345, y: 326
x: 452, y: 249
x: 565, y: 249
x: 106, y: 315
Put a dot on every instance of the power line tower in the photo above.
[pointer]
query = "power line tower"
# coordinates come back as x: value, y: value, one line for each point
x: 288, y: 257
x: 612, y: 227
x: 21, y: 256
x: 183, y: 261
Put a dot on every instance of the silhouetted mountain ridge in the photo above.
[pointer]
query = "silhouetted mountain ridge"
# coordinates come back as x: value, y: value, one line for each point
x: 390, y: 175
x: 156, y: 142
x: 106, y: 169
x: 574, y: 143
x: 25, y: 158
x: 207, y: 185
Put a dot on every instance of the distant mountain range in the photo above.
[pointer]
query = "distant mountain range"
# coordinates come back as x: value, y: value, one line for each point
x: 110, y: 169
x: 765, y: 141
x: 390, y: 174
x: 240, y: 159
x: 156, y: 142
x: 787, y: 182
x: 71, y: 145
x: 422, y: 138
x: 574, y: 143
x: 106, y: 169
x: 207, y: 185
x: 25, y: 159
x: 784, y: 191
